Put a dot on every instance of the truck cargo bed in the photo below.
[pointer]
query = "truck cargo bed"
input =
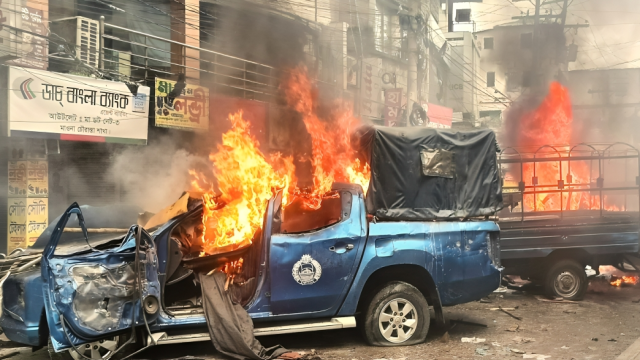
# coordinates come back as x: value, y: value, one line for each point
x: 538, y: 236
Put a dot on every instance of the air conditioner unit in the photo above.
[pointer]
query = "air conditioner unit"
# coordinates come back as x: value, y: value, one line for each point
x: 74, y: 36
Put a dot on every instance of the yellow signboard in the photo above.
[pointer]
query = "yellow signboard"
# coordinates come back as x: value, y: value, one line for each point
x: 17, y: 178
x: 37, y: 218
x: 17, y: 224
x: 188, y: 111
x: 37, y: 178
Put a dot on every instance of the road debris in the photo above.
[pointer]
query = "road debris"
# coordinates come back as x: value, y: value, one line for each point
x: 481, y: 351
x: 510, y: 314
x: 594, y: 339
x: 517, y: 351
x: 535, y: 356
x: 508, y: 309
x: 463, y: 322
x: 570, y: 312
x: 9, y: 355
x: 522, y: 340
x: 564, y: 347
x: 556, y: 300
x: 513, y: 328
x: 445, y: 338
x: 473, y: 340
x: 496, y: 344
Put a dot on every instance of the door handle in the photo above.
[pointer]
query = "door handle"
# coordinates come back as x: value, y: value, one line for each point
x: 342, y: 250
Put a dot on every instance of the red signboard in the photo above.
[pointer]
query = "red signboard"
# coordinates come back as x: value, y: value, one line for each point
x: 392, y: 105
x: 439, y: 116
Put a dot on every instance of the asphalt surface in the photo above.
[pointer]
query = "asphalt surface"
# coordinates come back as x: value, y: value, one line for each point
x: 600, y: 327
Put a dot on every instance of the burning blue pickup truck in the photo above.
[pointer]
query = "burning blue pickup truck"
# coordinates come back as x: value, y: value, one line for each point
x: 100, y: 292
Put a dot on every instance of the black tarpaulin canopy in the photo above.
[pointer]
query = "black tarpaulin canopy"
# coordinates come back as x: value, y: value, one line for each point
x: 425, y: 174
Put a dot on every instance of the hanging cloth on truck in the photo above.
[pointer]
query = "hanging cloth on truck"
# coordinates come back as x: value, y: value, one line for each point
x: 230, y: 326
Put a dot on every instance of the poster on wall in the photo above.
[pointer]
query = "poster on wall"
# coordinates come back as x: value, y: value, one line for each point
x: 16, y: 224
x: 37, y: 218
x: 37, y: 178
x: 17, y: 179
x: 45, y: 104
x: 187, y: 111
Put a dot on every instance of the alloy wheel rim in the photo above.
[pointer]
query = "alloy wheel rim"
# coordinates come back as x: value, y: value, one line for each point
x: 566, y: 284
x: 398, y: 320
x: 96, y: 350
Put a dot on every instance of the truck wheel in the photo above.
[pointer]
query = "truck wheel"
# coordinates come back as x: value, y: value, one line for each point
x: 397, y: 315
x: 96, y: 350
x: 566, y: 279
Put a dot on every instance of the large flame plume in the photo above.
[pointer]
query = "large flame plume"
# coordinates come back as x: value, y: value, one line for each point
x: 552, y: 124
x: 247, y: 179
x: 333, y: 158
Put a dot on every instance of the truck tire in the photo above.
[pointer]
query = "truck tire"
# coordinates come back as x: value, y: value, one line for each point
x: 566, y: 279
x: 397, y: 315
x: 101, y: 349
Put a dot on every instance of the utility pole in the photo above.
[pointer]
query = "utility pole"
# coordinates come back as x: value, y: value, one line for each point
x: 412, y: 73
x: 564, y: 12
x: 535, y: 40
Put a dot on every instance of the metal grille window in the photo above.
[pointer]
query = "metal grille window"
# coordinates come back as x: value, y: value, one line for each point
x: 389, y: 37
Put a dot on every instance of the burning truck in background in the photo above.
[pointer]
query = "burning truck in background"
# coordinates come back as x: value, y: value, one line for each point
x: 567, y: 207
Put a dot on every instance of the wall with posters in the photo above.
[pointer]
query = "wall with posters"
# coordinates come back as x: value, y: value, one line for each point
x: 28, y: 191
x: 188, y: 111
x: 45, y: 104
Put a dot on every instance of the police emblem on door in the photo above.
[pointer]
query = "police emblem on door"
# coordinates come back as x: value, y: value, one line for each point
x: 306, y: 271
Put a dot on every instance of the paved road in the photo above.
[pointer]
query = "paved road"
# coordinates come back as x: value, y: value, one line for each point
x: 563, y: 331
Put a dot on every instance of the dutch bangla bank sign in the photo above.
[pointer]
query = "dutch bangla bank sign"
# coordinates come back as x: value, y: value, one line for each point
x: 45, y: 104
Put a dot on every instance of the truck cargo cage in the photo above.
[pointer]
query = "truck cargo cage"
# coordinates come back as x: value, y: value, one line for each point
x: 585, y: 177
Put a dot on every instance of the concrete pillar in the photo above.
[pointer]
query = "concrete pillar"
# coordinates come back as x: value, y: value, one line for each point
x: 185, y: 26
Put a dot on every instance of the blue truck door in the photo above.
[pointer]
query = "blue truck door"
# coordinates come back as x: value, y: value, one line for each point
x: 311, y: 271
x: 91, y: 295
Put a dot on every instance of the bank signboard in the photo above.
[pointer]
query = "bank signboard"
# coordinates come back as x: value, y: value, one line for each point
x: 45, y: 104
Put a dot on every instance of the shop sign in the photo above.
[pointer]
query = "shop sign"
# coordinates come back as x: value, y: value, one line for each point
x: 37, y: 218
x: 188, y: 111
x: 392, y: 106
x: 45, y: 104
x: 17, y: 179
x: 440, y: 117
x: 17, y: 224
x: 370, y: 87
x: 31, y: 48
x: 37, y: 178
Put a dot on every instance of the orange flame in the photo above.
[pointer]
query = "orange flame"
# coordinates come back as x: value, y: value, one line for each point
x: 247, y: 179
x: 333, y: 158
x: 632, y: 280
x: 551, y: 123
